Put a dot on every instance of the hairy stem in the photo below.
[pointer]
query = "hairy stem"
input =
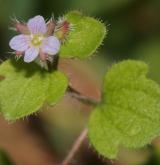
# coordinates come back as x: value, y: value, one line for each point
x: 54, y: 64
x: 75, y: 148
x: 73, y: 93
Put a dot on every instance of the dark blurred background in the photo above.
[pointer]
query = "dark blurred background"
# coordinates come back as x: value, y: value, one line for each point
x: 44, y: 139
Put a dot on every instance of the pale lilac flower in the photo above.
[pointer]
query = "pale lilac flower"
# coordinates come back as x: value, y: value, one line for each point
x: 36, y: 40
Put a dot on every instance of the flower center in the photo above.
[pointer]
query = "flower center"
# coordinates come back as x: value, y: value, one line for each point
x: 36, y: 39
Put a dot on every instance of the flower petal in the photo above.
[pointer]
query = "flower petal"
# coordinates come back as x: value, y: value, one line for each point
x: 37, y: 25
x: 19, y: 43
x: 31, y: 54
x: 51, y: 45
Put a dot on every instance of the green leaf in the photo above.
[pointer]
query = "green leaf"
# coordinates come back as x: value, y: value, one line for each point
x: 129, y: 114
x: 85, y: 37
x: 26, y: 87
x: 57, y: 86
x: 4, y: 159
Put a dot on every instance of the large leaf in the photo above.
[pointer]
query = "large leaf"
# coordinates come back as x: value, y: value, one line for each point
x: 24, y: 88
x: 129, y: 114
x: 85, y: 37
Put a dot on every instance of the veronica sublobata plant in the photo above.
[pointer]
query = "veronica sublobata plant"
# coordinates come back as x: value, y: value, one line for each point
x: 128, y: 115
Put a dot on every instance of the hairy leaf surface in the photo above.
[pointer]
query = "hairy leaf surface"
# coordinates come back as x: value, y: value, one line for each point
x: 129, y: 114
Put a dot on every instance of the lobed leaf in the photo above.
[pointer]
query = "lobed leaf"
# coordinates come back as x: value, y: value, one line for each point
x: 129, y: 114
x: 25, y: 88
x: 85, y: 37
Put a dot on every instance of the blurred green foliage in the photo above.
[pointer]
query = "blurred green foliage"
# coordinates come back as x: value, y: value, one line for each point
x: 4, y: 159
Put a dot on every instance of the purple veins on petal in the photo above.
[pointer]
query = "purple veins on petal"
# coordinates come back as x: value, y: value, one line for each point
x: 19, y: 43
x: 36, y: 40
x: 31, y: 54
x: 51, y: 45
x: 37, y: 25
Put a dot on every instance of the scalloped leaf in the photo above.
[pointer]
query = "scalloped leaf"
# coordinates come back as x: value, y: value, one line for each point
x: 85, y: 37
x: 24, y: 88
x: 129, y: 114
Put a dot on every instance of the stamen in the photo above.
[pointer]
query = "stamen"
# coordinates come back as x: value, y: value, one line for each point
x: 36, y: 39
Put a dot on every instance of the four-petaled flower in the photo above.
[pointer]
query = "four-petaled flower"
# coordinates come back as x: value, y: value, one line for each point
x: 36, y: 40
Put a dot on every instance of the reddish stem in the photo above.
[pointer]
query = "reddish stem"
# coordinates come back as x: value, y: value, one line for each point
x: 75, y: 148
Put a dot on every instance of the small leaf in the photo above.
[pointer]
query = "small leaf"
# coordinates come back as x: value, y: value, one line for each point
x: 85, y: 37
x: 26, y: 87
x: 129, y: 114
